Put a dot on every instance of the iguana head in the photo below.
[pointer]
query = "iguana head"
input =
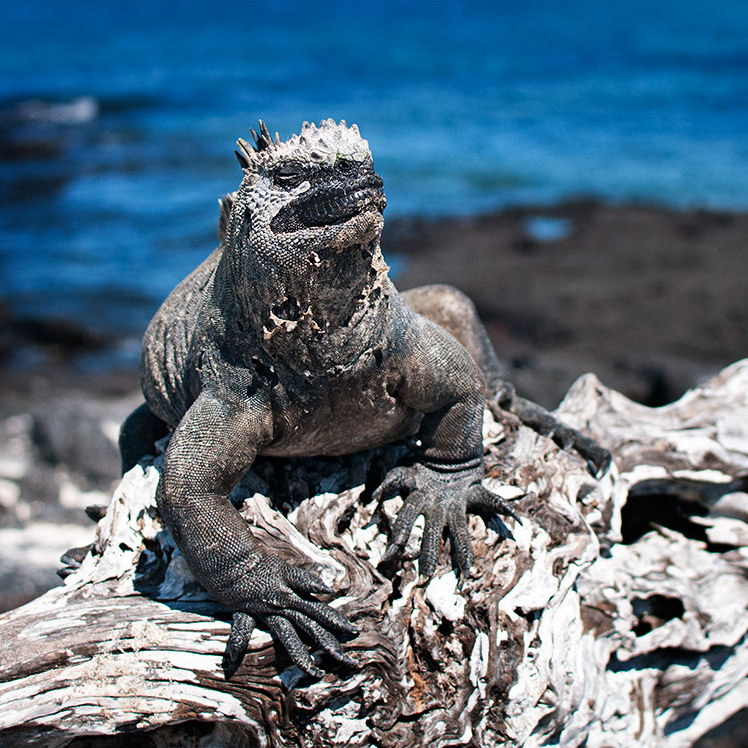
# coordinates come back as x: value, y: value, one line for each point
x: 318, y: 186
x: 301, y: 235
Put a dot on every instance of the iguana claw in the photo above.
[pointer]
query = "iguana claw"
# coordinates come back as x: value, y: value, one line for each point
x: 276, y: 596
x: 443, y: 498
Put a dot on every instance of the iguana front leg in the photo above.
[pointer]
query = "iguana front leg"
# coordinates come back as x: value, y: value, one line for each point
x: 442, y: 381
x: 210, y: 450
x: 443, y: 494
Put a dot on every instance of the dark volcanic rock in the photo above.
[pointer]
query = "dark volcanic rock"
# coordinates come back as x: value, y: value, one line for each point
x: 652, y: 300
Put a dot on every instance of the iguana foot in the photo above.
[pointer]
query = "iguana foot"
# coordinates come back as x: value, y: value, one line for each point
x: 539, y: 419
x: 443, y: 495
x: 275, y: 596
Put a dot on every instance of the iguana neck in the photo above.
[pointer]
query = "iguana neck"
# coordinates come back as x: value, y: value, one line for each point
x: 317, y: 313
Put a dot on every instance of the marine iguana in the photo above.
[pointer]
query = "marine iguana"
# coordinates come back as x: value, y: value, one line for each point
x: 291, y: 340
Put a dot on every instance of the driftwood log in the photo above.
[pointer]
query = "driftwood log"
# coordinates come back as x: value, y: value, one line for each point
x: 615, y: 617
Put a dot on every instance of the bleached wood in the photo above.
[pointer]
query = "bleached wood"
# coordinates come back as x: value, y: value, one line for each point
x: 564, y: 635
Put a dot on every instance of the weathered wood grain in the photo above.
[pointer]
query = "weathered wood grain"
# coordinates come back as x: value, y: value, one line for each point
x: 616, y: 615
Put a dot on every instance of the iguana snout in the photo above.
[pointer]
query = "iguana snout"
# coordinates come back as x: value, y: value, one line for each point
x: 335, y: 195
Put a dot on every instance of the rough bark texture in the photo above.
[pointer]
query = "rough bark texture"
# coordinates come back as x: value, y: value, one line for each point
x: 616, y: 616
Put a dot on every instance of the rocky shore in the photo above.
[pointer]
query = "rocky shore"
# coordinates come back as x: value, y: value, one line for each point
x: 653, y: 301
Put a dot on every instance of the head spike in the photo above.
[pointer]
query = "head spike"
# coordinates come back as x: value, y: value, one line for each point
x: 242, y: 161
x: 318, y: 143
x: 244, y: 154
x: 263, y: 141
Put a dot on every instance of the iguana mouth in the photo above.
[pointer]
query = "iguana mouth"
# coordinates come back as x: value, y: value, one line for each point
x: 327, y: 205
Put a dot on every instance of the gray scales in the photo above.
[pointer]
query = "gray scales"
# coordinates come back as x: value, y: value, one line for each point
x: 287, y: 340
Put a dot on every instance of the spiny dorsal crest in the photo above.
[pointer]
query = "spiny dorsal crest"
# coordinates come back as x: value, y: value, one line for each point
x: 319, y: 144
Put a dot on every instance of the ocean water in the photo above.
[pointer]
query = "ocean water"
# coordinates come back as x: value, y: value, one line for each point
x: 118, y: 120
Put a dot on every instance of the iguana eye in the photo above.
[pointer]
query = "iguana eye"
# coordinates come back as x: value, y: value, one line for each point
x: 288, y: 175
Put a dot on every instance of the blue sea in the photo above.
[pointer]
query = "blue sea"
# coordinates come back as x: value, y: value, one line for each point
x: 118, y: 121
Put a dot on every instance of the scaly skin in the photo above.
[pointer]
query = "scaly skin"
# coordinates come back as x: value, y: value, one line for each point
x: 290, y: 340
